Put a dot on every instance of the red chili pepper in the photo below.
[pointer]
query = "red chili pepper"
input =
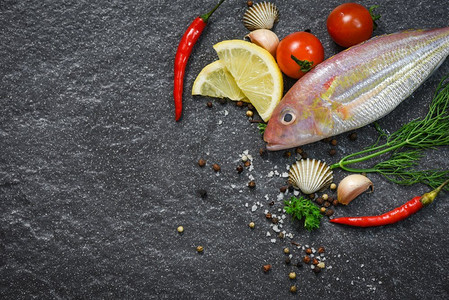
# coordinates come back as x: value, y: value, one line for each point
x: 394, y: 215
x: 183, y: 53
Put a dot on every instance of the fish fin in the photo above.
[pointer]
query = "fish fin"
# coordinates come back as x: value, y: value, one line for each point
x: 343, y: 111
x: 328, y: 89
x: 323, y: 122
x: 328, y: 83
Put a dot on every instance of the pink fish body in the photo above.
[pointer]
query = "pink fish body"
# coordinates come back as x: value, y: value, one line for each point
x: 356, y: 87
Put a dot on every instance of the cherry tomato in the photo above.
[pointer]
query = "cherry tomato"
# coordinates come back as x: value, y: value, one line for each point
x: 305, y: 47
x: 350, y: 24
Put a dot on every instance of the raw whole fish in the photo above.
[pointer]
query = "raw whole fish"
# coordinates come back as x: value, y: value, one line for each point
x: 356, y: 87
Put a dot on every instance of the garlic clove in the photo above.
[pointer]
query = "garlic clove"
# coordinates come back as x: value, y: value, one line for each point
x: 264, y: 38
x: 352, y: 186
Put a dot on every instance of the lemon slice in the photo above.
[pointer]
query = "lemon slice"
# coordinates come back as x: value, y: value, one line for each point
x: 215, y: 81
x: 256, y: 73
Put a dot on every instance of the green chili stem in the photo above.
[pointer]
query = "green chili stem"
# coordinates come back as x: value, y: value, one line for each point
x: 206, y: 16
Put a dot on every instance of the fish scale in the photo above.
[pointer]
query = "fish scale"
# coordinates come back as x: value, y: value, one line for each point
x: 356, y: 87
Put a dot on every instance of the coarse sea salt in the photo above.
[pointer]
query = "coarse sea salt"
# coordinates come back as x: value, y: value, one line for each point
x: 270, y: 174
x: 254, y: 207
x: 273, y: 240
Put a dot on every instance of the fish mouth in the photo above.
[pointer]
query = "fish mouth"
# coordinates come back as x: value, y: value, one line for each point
x: 277, y: 147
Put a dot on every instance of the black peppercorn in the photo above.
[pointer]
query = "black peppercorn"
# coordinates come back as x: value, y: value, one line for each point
x: 329, y: 212
x: 332, y: 152
x: 202, y: 193
x: 266, y: 268
x: 252, y: 184
x: 239, y: 169
x: 319, y: 200
x: 201, y: 162
x: 353, y: 136
x: 216, y: 167
x: 283, y: 189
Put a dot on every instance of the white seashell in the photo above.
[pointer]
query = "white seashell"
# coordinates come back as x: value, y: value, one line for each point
x: 310, y: 175
x: 261, y: 16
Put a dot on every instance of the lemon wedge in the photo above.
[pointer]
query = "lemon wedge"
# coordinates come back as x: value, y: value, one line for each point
x: 256, y: 73
x: 214, y: 80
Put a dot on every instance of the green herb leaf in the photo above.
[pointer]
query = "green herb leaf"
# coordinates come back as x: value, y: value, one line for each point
x: 406, y: 146
x: 373, y: 16
x: 262, y: 127
x: 301, y: 208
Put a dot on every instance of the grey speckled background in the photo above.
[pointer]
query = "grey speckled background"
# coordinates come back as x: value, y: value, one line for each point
x: 95, y: 174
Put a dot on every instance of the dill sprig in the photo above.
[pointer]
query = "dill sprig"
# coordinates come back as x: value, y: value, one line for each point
x: 407, y: 145
x: 301, y: 208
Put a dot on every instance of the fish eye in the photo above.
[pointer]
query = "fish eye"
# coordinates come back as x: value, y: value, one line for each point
x: 288, y: 118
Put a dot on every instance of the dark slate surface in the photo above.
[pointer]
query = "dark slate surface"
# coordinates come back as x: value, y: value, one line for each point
x: 95, y: 174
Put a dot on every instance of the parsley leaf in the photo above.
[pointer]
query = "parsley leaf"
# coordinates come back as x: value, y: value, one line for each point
x: 262, y: 127
x: 301, y: 208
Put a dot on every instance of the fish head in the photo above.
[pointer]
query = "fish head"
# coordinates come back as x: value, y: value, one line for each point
x: 295, y: 123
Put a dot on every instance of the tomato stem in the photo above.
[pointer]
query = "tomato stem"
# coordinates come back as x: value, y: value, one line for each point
x: 305, y: 65
x: 373, y: 16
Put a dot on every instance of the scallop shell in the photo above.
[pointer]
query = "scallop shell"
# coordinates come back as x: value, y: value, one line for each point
x: 261, y: 16
x: 310, y: 175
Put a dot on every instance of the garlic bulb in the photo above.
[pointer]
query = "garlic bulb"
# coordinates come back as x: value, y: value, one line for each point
x: 264, y: 38
x: 352, y: 186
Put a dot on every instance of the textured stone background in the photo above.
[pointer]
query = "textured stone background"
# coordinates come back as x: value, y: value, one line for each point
x: 95, y: 174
